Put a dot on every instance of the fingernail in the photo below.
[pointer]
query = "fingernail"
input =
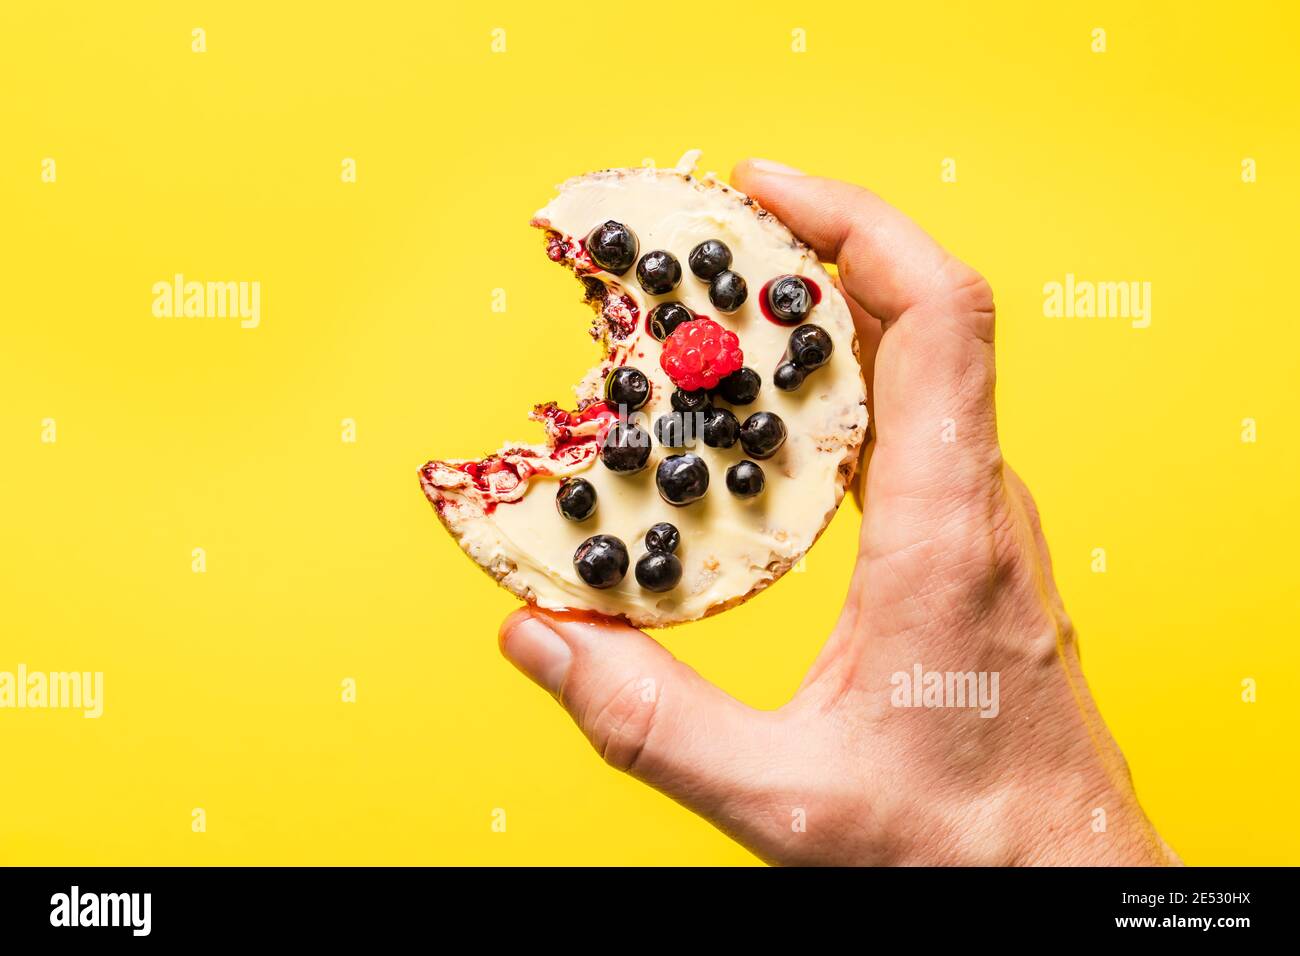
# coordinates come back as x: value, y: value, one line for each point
x: 537, y: 651
x: 768, y: 166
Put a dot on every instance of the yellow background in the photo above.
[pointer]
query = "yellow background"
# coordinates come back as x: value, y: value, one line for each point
x: 324, y: 560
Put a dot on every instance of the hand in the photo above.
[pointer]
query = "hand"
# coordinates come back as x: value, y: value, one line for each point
x: 953, y: 575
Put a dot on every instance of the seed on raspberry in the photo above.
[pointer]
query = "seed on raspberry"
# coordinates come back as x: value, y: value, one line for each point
x: 699, y: 354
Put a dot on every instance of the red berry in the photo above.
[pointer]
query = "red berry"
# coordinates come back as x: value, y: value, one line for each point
x: 699, y: 354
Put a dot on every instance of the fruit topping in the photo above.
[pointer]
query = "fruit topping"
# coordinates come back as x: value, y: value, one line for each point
x: 663, y: 537
x: 658, y: 571
x: 626, y: 448
x: 709, y: 258
x: 699, y: 354
x: 745, y: 479
x: 601, y: 560
x: 682, y: 479
x: 721, y: 429
x: 789, y: 299
x: 684, y: 401
x: 810, y: 347
x: 575, y: 435
x: 617, y: 309
x: 762, y: 435
x: 627, y: 388
x: 741, y: 386
x: 576, y: 499
x: 664, y: 318
x: 728, y: 292
x: 658, y: 272
x: 612, y: 246
x: 670, y: 429
x: 788, y: 376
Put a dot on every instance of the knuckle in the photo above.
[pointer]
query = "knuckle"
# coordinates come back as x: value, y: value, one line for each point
x: 621, y: 727
x: 971, y: 295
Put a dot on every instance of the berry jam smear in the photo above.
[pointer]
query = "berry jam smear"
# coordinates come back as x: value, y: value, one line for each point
x: 570, y: 432
x: 566, y: 249
x: 619, y: 314
x: 499, y: 474
x: 618, y: 310
x: 573, y: 437
x: 573, y: 442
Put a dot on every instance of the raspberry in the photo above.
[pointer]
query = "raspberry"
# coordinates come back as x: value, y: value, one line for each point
x: 699, y: 354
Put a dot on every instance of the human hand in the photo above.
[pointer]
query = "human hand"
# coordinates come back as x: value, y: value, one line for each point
x: 953, y: 575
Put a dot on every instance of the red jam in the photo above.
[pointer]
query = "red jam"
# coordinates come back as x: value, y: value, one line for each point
x: 561, y: 424
x: 573, y: 439
x: 562, y: 248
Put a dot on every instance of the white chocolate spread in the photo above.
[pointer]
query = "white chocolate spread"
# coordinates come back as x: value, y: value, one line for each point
x: 507, y: 520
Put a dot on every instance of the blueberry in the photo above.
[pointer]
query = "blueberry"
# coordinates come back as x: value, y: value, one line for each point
x: 788, y: 376
x: 627, y: 387
x: 612, y: 246
x: 728, y: 292
x: 762, y: 434
x: 626, y: 448
x: 576, y: 499
x: 789, y: 299
x: 810, y: 347
x: 721, y: 429
x: 670, y: 429
x: 709, y: 258
x: 741, y: 386
x: 685, y: 401
x: 601, y: 560
x: 658, y: 571
x: 682, y: 479
x: 663, y: 537
x: 658, y: 272
x: 745, y: 479
x: 665, y: 317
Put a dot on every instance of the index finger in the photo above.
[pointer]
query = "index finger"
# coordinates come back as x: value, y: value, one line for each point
x: 886, y: 262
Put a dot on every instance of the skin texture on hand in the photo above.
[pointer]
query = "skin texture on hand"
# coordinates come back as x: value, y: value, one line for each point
x: 952, y: 574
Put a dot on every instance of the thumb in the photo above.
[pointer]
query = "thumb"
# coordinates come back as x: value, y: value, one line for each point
x: 646, y: 712
x: 934, y: 371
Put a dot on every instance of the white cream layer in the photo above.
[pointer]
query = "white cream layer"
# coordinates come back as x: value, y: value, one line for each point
x: 729, y: 546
